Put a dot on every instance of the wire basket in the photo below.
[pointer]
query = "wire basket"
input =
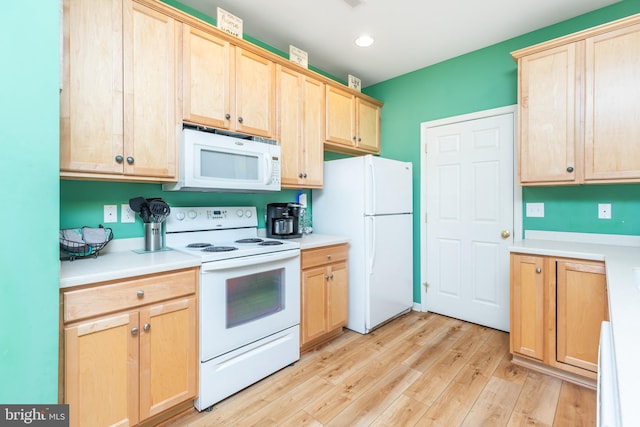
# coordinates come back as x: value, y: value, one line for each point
x: 84, y: 242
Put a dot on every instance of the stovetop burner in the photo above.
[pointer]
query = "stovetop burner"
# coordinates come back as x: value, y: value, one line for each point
x: 199, y: 245
x: 219, y: 249
x: 270, y: 243
x: 250, y: 240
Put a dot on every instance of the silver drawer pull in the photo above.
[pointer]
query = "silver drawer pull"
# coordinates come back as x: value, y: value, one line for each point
x: 538, y: 270
x: 140, y: 294
x: 146, y: 327
x: 134, y: 331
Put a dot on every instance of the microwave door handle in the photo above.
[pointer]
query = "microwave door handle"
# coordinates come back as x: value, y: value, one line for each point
x: 269, y: 168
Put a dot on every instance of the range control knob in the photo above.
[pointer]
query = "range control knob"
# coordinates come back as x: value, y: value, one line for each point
x: 180, y: 216
x: 248, y: 213
x: 240, y: 212
x: 192, y: 214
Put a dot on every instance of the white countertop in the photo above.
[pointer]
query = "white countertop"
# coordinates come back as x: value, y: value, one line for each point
x: 624, y: 308
x: 120, y: 261
x: 310, y: 241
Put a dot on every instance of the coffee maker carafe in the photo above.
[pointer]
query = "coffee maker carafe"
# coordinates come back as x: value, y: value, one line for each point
x: 283, y: 220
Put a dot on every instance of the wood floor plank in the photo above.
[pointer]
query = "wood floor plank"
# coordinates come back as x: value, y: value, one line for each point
x: 494, y: 405
x: 452, y: 406
x: 537, y: 402
x: 403, y: 411
x: 366, y: 408
x: 420, y: 369
x: 431, y: 385
x: 576, y: 406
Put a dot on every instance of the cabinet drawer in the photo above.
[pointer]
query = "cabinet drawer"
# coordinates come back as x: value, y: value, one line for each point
x: 125, y: 294
x: 324, y: 255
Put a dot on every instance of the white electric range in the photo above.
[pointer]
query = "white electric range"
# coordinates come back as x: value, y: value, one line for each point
x: 249, y: 297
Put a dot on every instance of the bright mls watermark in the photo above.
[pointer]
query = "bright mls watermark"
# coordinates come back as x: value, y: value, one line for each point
x: 34, y: 415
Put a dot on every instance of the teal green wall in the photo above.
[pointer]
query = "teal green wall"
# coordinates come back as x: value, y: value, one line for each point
x: 81, y: 202
x: 487, y: 78
x: 29, y: 272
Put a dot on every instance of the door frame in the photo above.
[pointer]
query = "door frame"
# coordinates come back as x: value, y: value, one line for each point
x: 517, y: 189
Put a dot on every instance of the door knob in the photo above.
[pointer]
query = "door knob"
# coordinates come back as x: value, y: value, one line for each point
x: 505, y: 234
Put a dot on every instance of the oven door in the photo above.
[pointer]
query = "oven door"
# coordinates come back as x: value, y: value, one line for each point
x: 245, y: 299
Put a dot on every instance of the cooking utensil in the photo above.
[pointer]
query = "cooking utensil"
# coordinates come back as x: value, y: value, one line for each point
x: 145, y: 213
x: 136, y: 203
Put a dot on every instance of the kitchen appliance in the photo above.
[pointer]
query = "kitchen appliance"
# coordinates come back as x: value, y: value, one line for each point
x: 283, y: 220
x: 369, y: 200
x: 216, y: 160
x: 249, y: 297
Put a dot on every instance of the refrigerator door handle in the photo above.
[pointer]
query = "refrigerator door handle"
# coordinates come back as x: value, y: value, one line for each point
x: 372, y: 249
x: 372, y: 193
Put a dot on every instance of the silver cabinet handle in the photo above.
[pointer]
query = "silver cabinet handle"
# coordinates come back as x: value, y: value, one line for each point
x: 134, y: 331
x: 130, y: 160
x: 146, y: 327
x: 538, y: 270
x: 329, y: 256
x: 140, y: 293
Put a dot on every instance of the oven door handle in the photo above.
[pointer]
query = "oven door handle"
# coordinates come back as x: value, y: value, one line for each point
x: 249, y: 261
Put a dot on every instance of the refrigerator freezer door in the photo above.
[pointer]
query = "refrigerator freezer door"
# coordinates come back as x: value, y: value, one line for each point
x: 388, y: 186
x: 389, y: 269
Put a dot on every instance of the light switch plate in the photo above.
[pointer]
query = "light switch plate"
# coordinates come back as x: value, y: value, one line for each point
x: 535, y: 210
x: 110, y: 213
x: 604, y: 210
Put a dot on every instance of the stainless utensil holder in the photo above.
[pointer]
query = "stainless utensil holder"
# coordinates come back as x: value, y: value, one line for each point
x: 153, y: 236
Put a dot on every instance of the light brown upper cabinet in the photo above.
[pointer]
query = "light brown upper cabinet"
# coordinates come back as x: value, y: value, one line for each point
x: 300, y: 128
x: 118, y: 104
x: 353, y: 123
x: 225, y: 86
x: 578, y: 109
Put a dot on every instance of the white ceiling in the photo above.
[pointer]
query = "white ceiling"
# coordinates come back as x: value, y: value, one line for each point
x: 409, y: 34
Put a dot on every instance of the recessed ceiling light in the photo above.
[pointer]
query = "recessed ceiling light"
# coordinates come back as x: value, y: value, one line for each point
x: 364, y: 40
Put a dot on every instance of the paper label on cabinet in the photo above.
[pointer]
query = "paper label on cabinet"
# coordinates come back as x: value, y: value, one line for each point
x: 229, y: 23
x: 298, y: 56
x: 354, y: 83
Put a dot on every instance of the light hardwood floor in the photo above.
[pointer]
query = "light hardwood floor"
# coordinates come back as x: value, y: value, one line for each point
x: 422, y: 369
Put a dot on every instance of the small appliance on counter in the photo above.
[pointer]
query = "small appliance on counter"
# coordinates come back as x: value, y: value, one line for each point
x: 153, y: 213
x: 283, y: 220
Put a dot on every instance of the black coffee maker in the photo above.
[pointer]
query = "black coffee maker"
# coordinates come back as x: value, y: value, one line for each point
x: 283, y: 220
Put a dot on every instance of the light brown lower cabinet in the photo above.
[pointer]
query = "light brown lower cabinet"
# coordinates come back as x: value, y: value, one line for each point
x: 324, y: 294
x: 557, y: 307
x: 130, y: 348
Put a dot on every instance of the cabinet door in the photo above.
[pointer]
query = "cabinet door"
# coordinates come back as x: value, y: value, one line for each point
x: 527, y: 306
x: 150, y: 107
x: 337, y: 296
x: 289, y: 124
x: 340, y: 127
x: 168, y: 355
x: 206, y: 64
x: 547, y: 116
x: 313, y: 133
x: 314, y: 301
x: 101, y: 371
x: 91, y: 134
x: 368, y: 126
x: 581, y: 302
x: 255, y: 88
x: 612, y: 111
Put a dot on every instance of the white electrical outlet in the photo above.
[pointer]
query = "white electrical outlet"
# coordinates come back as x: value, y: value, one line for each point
x: 604, y: 210
x: 535, y: 210
x: 127, y: 214
x: 110, y: 213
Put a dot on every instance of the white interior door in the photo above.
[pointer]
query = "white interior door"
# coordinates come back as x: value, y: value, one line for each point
x: 468, y: 205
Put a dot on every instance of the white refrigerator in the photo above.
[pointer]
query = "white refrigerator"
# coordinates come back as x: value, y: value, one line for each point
x: 369, y: 200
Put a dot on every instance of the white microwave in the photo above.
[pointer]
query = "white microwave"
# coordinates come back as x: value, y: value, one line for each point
x: 213, y: 160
